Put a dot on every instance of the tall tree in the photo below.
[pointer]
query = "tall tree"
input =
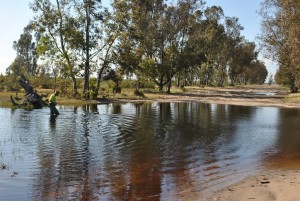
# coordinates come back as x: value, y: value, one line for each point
x: 53, y: 21
x: 26, y: 60
x: 281, y: 40
x: 72, y: 36
x: 256, y: 73
x: 185, y: 52
x: 87, y: 28
x: 244, y: 55
x: 214, y: 36
x: 232, y: 41
x: 155, y: 34
x: 93, y: 41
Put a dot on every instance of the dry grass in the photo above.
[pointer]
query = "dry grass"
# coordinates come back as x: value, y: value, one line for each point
x: 65, y: 100
x: 5, y: 99
x: 152, y: 94
x: 293, y: 98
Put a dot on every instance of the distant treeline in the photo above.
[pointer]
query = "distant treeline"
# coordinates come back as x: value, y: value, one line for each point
x: 79, y: 44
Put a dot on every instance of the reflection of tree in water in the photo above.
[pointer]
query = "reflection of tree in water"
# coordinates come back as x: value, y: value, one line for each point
x: 116, y: 109
x: 146, y: 151
x: 133, y: 169
x: 64, y: 162
x: 155, y: 150
x: 287, y: 146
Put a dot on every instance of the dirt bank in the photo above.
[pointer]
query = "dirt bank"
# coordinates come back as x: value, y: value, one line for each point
x: 266, y: 186
x: 256, y: 95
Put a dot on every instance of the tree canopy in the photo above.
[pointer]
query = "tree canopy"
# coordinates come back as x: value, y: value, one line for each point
x: 281, y: 39
x: 180, y: 42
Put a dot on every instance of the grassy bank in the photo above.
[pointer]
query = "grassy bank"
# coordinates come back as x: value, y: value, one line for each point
x: 199, y: 93
x: 127, y: 94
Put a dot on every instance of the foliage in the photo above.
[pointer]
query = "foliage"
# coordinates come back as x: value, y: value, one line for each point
x: 9, y: 83
x: 136, y: 44
x: 27, y: 57
x: 138, y: 93
x: 203, y: 49
x: 281, y: 40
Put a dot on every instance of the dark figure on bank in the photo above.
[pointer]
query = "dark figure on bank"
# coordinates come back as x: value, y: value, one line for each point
x: 52, y: 103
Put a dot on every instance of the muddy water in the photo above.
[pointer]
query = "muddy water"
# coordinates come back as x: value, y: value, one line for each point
x: 150, y: 151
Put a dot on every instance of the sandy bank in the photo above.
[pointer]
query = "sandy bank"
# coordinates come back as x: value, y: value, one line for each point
x: 281, y: 185
x: 256, y: 95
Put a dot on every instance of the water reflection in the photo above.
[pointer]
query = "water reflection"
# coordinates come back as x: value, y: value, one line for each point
x: 149, y: 151
x: 287, y: 152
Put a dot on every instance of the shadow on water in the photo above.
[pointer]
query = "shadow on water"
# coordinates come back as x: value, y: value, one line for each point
x: 147, y: 151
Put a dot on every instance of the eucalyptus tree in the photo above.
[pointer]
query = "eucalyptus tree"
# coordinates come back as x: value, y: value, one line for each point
x: 256, y: 73
x: 180, y: 53
x: 89, y: 43
x: 72, y: 36
x: 193, y: 52
x: 242, y: 58
x: 125, y: 54
x: 136, y: 48
x: 26, y: 53
x: 187, y: 41
x: 154, y: 36
x: 53, y: 20
x: 214, y: 36
x: 17, y: 66
x: 148, y: 31
x: 25, y: 60
x: 231, y: 42
x: 104, y: 60
x: 280, y: 38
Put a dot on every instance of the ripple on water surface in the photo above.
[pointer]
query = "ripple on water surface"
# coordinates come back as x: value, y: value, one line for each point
x: 160, y: 151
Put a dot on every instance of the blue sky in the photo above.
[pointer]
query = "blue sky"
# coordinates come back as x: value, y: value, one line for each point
x: 245, y: 10
x: 15, y: 15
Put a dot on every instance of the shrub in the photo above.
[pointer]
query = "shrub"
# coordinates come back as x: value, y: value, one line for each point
x: 138, y: 93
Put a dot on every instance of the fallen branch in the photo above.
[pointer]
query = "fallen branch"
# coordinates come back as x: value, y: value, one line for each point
x: 31, y: 95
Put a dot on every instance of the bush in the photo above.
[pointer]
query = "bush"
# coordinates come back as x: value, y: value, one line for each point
x: 138, y: 93
x: 90, y: 94
x: 9, y: 83
x: 132, y: 84
x: 44, y: 82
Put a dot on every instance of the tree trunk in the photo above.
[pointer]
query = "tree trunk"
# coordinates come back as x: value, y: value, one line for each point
x: 75, y: 92
x: 87, y: 57
x: 99, y: 81
x: 31, y: 96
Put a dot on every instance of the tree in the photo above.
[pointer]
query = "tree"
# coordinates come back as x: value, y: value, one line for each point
x: 270, y: 79
x: 186, y: 50
x: 230, y: 46
x: 214, y: 37
x: 281, y: 40
x: 244, y: 55
x: 54, y: 22
x: 255, y: 73
x: 72, y: 37
x: 155, y: 36
x: 89, y: 17
x: 26, y: 53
